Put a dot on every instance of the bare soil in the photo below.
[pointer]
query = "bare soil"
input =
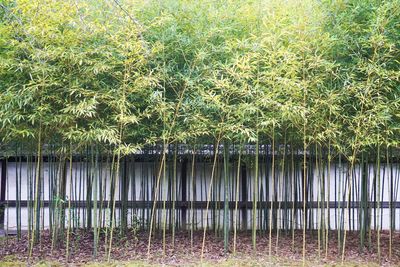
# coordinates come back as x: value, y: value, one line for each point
x: 132, y: 248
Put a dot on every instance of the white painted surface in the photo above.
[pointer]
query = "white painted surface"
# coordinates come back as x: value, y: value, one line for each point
x: 142, y: 172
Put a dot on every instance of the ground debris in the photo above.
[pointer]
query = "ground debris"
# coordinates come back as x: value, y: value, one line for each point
x: 134, y: 248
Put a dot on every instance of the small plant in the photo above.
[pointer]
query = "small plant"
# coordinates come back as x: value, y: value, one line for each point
x: 135, y: 226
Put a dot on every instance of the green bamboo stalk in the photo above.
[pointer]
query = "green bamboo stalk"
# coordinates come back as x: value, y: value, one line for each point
x: 103, y: 186
x: 116, y: 186
x: 349, y: 187
x: 18, y: 193
x: 209, y: 197
x: 370, y: 213
x: 112, y: 191
x: 390, y: 192
x: 162, y: 162
x: 318, y: 201
x: 57, y: 203
x: 95, y: 187
x: 272, y: 192
x: 69, y: 203
x: 164, y: 215
x: 378, y: 162
x: 51, y: 188
x: 30, y: 198
x: 293, y: 188
x: 226, y: 205
x: 192, y: 175
x: 125, y: 196
x: 304, y: 187
x: 174, y: 194
x: 236, y: 199
x: 89, y: 191
x: 339, y: 218
x: 80, y: 195
x: 36, y: 229
x: 328, y: 200
x: 363, y: 167
x: 255, y: 198
x: 280, y: 185
x: 321, y: 173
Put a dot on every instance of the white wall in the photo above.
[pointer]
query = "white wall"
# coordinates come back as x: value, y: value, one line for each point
x: 140, y: 172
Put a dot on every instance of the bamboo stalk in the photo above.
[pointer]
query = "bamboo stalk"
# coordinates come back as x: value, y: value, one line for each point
x: 349, y: 187
x: 193, y: 184
x: 378, y: 162
x: 95, y: 195
x: 255, y: 198
x: 280, y: 185
x: 36, y: 229
x: 173, y: 219
x: 328, y: 200
x: 209, y: 198
x: 273, y: 192
x: 236, y: 199
x: 162, y: 162
x: 69, y: 204
x: 226, y: 181
x: 116, y: 186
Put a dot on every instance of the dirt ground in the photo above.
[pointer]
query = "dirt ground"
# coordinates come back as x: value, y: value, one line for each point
x: 132, y: 251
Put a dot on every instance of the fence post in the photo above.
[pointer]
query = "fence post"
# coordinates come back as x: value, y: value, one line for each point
x: 244, y: 196
x: 3, y: 182
x: 184, y: 193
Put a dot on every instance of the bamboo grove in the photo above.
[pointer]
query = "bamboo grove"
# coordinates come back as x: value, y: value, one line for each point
x: 272, y: 107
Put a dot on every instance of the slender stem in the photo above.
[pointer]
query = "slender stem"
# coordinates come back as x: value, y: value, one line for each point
x: 272, y: 191
x: 236, y: 200
x: 69, y: 203
x: 255, y: 197
x: 209, y: 197
x: 35, y: 231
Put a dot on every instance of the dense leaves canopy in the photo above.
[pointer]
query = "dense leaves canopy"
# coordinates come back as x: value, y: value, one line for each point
x: 125, y: 74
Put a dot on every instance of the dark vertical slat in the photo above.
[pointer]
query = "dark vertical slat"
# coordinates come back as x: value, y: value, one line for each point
x: 244, y: 197
x: 184, y: 193
x: 124, y: 197
x: 3, y: 179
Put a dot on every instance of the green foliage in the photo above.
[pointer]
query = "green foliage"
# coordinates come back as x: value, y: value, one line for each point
x: 189, y: 71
